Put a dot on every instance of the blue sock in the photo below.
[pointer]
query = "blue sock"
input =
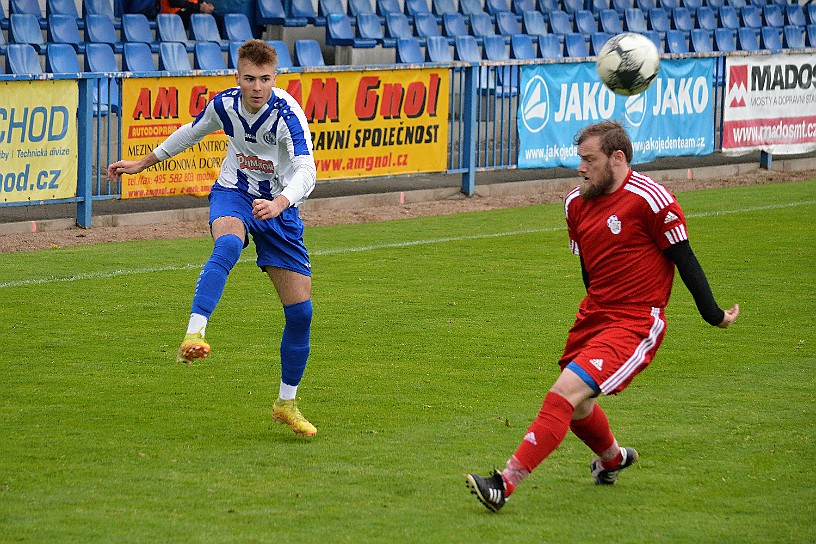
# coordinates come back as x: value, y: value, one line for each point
x: 294, y: 347
x: 213, y: 277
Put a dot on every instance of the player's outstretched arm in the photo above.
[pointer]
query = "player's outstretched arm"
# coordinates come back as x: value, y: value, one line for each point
x: 118, y: 168
x: 730, y: 317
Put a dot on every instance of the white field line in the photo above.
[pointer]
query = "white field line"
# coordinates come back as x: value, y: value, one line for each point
x: 340, y: 251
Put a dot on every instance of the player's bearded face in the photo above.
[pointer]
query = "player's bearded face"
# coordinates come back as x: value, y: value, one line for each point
x: 598, y: 179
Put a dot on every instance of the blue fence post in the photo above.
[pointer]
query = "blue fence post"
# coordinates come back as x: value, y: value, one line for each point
x: 85, y: 121
x: 765, y: 160
x: 467, y: 147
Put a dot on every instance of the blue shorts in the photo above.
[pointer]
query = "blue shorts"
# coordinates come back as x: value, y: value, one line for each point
x: 278, y: 241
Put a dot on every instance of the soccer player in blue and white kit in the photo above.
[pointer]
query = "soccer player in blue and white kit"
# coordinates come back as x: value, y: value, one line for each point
x: 268, y: 172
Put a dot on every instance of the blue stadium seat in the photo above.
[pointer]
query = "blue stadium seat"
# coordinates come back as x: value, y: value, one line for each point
x: 810, y: 13
x: 572, y: 6
x: 466, y: 49
x: 99, y: 7
x: 645, y: 5
x: 659, y: 21
x: 494, y: 7
x: 412, y: 7
x: 327, y: 7
x: 208, y: 56
x: 693, y: 5
x: 425, y: 26
x: 701, y: 41
x: 63, y: 29
x: 597, y: 41
x: 4, y: 22
x: 793, y: 37
x: 681, y: 20
x: 634, y: 21
x: 668, y: 5
x: 64, y: 7
x: 481, y: 25
x: 549, y: 47
x: 137, y: 57
x: 303, y: 9
x: 99, y: 29
x: 27, y: 7
x: 520, y: 6
x: 396, y: 27
x: 599, y: 5
x: 575, y: 45
x: 170, y: 28
x: 656, y: 39
x: 810, y: 31
x: 232, y: 54
x: 284, y: 58
x: 61, y: 58
x: 546, y: 6
x: 339, y: 32
x: 751, y: 17
x: 203, y: 28
x: 522, y: 46
x: 770, y: 38
x: 706, y: 19
x: 495, y: 48
x: 136, y: 29
x: 356, y: 7
x: 443, y: 7
x: 773, y: 16
x: 715, y: 5
x: 724, y: 40
x: 728, y: 18
x: 507, y: 25
x: 470, y: 7
x: 622, y: 5
x: 384, y: 7
x: 736, y: 4
x: 2, y: 47
x: 173, y: 57
x: 99, y: 58
x: 611, y: 22
x: 308, y: 53
x: 22, y: 58
x: 437, y: 49
x: 453, y: 25
x: 272, y: 12
x: 585, y: 22
x: 369, y: 27
x: 560, y: 23
x: 533, y: 23
x: 748, y: 39
x: 24, y: 29
x: 795, y: 15
x: 237, y: 27
x: 506, y: 78
x: 676, y: 42
x: 409, y: 51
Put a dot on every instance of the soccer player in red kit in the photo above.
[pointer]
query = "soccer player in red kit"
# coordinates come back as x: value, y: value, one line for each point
x: 629, y: 233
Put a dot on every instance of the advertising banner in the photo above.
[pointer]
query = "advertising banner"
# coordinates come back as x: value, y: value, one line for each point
x: 673, y: 117
x: 362, y: 123
x: 38, y: 140
x: 770, y: 104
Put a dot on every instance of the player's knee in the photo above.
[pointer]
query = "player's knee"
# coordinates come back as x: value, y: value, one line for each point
x: 227, y: 250
x: 298, y: 315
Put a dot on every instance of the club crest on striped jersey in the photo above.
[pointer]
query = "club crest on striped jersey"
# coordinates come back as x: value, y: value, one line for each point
x: 614, y: 224
x: 269, y: 138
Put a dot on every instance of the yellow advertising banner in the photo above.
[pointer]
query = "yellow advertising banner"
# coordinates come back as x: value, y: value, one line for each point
x: 38, y: 140
x: 363, y: 124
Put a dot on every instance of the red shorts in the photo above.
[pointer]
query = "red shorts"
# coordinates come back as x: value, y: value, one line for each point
x: 612, y: 345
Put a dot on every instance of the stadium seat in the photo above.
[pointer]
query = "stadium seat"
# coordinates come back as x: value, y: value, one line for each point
x: 3, y: 45
x: 471, y: 7
x: 599, y: 5
x: 795, y: 15
x: 409, y: 51
x: 237, y: 28
x: 634, y: 21
x: 520, y: 6
x: 793, y: 37
x: 437, y: 49
x: 4, y: 22
x: 668, y: 5
x: 770, y: 39
x: 63, y: 29
x: 369, y: 27
x: 272, y: 12
x: 481, y: 25
x: 61, y: 58
x: 99, y: 7
x: 24, y: 29
x: 533, y: 23
x: 443, y: 7
x: 99, y: 29
x: 656, y: 39
x: 495, y: 48
x: 810, y: 13
x: 173, y: 57
x: 170, y: 28
x: 522, y: 47
x: 494, y: 7
x: 692, y: 5
x: 507, y: 25
x: 208, y: 56
x: 308, y: 53
x: 585, y: 22
x: 356, y: 7
x: 137, y: 57
x: 232, y: 54
x: 22, y: 58
x: 384, y: 7
x: 453, y: 25
x: 304, y: 10
x: 506, y: 78
x: 99, y: 58
x: 425, y: 26
x: 27, y: 7
x: 327, y: 7
x: 560, y: 24
x: 645, y: 5
x: 810, y: 32
x: 203, y: 28
x: 396, y: 27
x: 659, y: 21
x: 412, y: 7
x: 64, y: 7
x: 728, y: 18
x: 748, y: 39
x: 136, y: 29
x: 715, y: 5
x: 549, y: 47
x: 575, y: 45
x: 622, y: 5
x: 701, y: 41
x: 340, y: 33
x: 751, y: 17
x: 681, y: 20
x: 547, y: 6
x: 706, y: 19
x: 736, y: 4
x: 676, y: 42
x: 773, y: 16
x: 611, y: 22
x: 597, y: 41
x: 284, y: 58
x: 466, y: 49
x: 724, y: 40
x: 571, y: 7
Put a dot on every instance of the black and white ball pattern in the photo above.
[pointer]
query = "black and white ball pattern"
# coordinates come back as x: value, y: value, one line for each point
x: 628, y: 63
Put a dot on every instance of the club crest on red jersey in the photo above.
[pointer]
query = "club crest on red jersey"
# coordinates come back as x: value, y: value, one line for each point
x: 614, y: 224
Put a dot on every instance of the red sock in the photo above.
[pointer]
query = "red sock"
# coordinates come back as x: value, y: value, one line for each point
x: 546, y: 432
x: 594, y: 431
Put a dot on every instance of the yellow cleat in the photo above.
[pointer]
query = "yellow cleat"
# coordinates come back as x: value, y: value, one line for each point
x: 193, y: 347
x: 286, y: 411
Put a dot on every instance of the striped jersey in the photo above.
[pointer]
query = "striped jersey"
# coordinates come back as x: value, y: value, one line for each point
x: 269, y: 153
x: 621, y: 238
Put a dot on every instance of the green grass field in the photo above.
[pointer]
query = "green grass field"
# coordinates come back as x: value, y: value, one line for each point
x: 433, y: 343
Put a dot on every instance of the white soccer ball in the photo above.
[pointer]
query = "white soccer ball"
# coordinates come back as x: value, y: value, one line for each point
x: 628, y: 63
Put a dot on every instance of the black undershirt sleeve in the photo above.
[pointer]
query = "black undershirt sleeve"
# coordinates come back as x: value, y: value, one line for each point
x: 584, y: 273
x: 695, y: 280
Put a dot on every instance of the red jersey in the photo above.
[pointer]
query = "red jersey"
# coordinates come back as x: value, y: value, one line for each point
x: 621, y: 238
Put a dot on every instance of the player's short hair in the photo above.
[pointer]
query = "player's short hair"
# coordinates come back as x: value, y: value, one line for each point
x: 258, y: 52
x: 612, y: 136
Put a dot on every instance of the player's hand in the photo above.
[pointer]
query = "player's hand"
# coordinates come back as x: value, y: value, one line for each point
x: 206, y: 7
x: 269, y: 209
x: 118, y: 168
x: 730, y: 317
